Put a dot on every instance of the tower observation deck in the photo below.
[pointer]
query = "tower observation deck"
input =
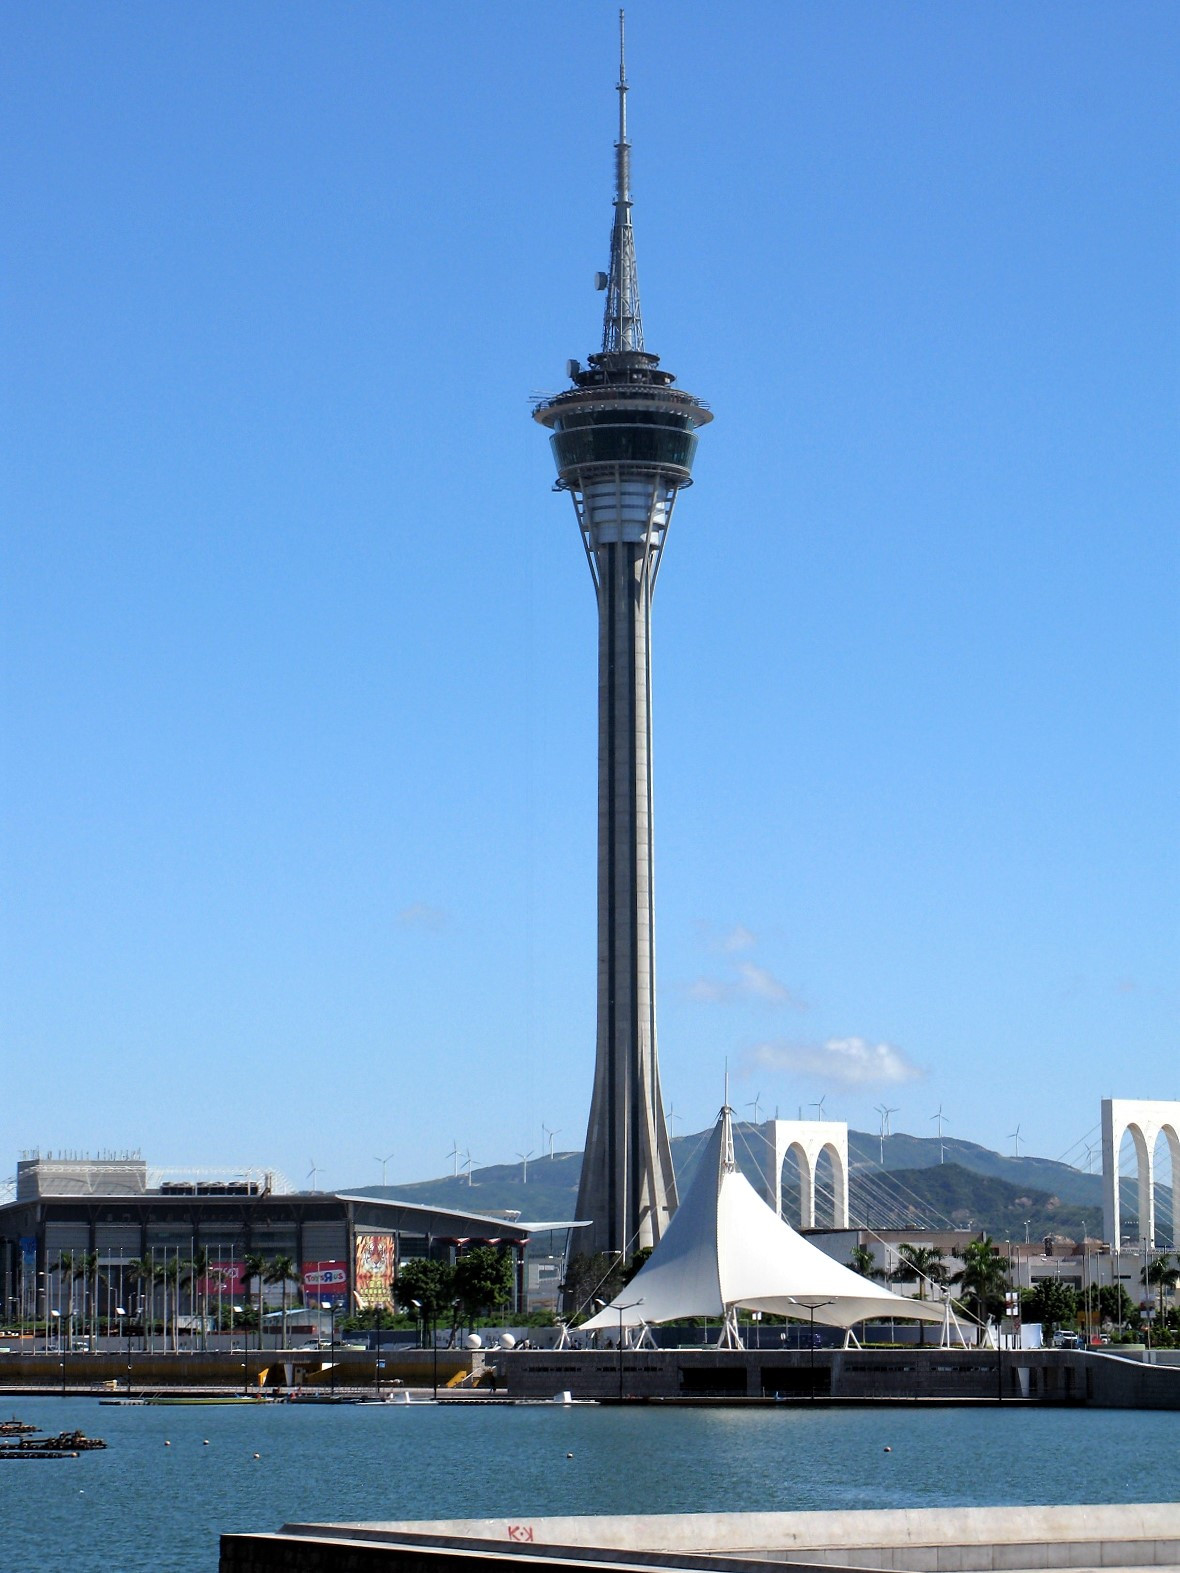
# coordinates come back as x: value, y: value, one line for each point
x: 623, y: 439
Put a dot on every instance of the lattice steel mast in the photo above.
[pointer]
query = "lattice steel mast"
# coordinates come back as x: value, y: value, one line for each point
x: 624, y: 439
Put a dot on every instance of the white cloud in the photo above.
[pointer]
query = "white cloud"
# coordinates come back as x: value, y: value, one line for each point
x: 763, y: 985
x: 738, y: 938
x: 420, y: 915
x: 752, y: 982
x: 844, y: 1062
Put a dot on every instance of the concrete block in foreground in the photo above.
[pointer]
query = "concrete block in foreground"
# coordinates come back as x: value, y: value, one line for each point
x: 911, y: 1540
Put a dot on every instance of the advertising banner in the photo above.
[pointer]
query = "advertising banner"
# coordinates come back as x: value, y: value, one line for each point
x: 374, y: 1270
x: 324, y: 1281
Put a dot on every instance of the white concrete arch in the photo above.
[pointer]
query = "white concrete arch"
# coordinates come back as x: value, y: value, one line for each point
x: 807, y: 1139
x: 1146, y: 1122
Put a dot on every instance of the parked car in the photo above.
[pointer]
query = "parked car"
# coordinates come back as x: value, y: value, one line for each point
x: 1065, y: 1340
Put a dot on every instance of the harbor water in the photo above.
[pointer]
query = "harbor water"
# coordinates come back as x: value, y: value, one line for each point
x: 142, y: 1504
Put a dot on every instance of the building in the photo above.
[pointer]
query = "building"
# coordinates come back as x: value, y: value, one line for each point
x: 623, y: 438
x: 344, y: 1248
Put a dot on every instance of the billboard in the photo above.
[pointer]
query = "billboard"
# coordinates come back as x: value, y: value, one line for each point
x: 324, y: 1281
x: 375, y: 1261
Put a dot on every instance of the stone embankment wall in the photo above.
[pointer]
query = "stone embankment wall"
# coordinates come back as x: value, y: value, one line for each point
x: 980, y: 1375
x: 275, y: 1368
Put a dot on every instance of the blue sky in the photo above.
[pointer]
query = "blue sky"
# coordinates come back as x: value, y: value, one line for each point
x: 298, y: 677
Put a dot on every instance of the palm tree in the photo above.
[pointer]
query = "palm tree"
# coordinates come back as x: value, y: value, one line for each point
x: 169, y: 1276
x: 87, y: 1271
x: 67, y: 1262
x: 253, y: 1266
x: 983, y: 1278
x: 197, y: 1271
x: 927, y: 1265
x: 142, y: 1272
x: 863, y: 1261
x: 1163, y: 1276
x: 282, y: 1271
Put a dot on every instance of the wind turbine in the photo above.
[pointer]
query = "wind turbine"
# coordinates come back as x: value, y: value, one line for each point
x: 384, y: 1164
x: 311, y: 1174
x: 671, y: 1117
x: 885, y: 1111
x: 524, y: 1158
x: 756, y: 1105
x: 455, y: 1155
x: 1014, y: 1136
x: 467, y: 1164
x: 941, y: 1149
x: 1090, y: 1150
x: 819, y: 1107
x: 549, y: 1135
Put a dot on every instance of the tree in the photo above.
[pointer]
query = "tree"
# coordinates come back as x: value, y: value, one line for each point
x: 280, y: 1270
x: 1163, y: 1276
x: 67, y: 1262
x: 1049, y: 1302
x: 590, y: 1277
x: 197, y: 1272
x: 1116, y: 1306
x: 926, y: 1264
x: 86, y: 1269
x: 483, y: 1279
x: 142, y: 1272
x: 425, y: 1288
x: 253, y: 1266
x: 863, y: 1261
x: 982, y: 1278
x: 638, y: 1261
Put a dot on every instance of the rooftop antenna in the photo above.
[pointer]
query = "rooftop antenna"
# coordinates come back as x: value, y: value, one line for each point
x: 384, y: 1162
x: 1014, y: 1136
x: 941, y: 1149
x: 622, y: 325
x: 524, y: 1158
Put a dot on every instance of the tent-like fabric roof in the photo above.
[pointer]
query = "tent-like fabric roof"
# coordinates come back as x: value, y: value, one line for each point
x: 725, y: 1248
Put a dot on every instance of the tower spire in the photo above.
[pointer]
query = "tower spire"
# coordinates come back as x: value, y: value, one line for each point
x: 622, y: 324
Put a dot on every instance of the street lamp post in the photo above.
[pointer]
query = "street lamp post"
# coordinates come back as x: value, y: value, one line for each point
x: 812, y: 1309
x: 629, y: 1306
x: 125, y: 1327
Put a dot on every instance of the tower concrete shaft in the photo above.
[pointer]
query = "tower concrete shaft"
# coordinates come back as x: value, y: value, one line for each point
x: 623, y: 440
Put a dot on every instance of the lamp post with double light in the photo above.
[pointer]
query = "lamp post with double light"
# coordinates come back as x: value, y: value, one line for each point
x: 812, y: 1309
x: 628, y: 1306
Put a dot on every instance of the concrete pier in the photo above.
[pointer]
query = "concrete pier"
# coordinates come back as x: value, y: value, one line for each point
x: 924, y: 1540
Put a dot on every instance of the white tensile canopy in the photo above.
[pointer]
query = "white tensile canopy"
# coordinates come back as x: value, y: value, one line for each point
x: 725, y: 1249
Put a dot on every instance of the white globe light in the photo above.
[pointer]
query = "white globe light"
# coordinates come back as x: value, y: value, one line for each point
x: 474, y: 1341
x: 507, y: 1341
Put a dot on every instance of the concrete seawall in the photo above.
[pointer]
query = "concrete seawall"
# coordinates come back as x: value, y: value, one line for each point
x: 849, y: 1375
x: 938, y: 1540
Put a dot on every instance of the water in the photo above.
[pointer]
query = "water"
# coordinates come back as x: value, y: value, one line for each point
x: 140, y: 1505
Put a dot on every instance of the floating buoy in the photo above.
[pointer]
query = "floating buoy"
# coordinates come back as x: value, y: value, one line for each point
x: 889, y: 1450
x: 257, y: 1455
x: 167, y: 1444
x: 205, y: 1443
x: 569, y: 1455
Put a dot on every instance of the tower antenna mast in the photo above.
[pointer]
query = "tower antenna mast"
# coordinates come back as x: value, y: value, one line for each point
x: 622, y: 323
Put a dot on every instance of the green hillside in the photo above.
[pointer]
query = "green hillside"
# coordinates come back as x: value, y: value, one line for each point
x: 973, y: 1188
